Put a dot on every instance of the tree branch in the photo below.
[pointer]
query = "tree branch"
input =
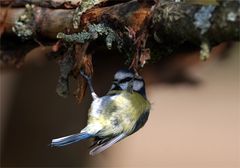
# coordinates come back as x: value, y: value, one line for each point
x: 172, y: 23
x: 136, y: 26
x: 56, y: 4
x: 170, y: 19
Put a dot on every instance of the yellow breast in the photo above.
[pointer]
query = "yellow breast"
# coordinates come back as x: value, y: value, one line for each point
x: 117, y: 112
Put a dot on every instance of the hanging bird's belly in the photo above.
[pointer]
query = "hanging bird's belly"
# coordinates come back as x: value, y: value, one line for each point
x: 116, y: 114
x: 118, y: 120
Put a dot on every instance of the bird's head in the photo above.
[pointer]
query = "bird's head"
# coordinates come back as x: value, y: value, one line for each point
x: 125, y: 78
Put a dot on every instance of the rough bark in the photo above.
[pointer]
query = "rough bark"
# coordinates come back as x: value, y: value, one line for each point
x: 136, y: 26
x: 170, y: 19
x: 68, y: 4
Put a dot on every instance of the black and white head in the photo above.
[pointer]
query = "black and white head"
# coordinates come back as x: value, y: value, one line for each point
x: 125, y: 78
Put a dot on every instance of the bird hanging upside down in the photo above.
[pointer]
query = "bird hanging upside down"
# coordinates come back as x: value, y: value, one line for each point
x: 118, y: 114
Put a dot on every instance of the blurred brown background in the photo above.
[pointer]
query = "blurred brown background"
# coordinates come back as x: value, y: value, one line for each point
x: 194, y: 121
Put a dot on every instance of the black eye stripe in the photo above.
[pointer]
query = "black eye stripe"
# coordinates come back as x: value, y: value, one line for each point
x: 128, y: 79
x: 124, y: 80
x: 116, y: 87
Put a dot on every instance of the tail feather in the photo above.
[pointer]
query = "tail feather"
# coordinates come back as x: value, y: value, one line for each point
x: 67, y: 140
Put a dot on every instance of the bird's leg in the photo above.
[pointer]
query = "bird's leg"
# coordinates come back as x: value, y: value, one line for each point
x: 89, y: 80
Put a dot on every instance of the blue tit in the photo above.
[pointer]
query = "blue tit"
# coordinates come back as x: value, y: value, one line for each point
x: 113, y: 117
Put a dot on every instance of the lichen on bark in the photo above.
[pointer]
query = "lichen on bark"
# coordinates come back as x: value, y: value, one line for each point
x: 94, y: 32
x: 24, y: 26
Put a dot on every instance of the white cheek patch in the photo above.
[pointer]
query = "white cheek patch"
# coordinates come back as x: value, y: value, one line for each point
x: 124, y: 86
x: 122, y: 75
x: 137, y: 85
